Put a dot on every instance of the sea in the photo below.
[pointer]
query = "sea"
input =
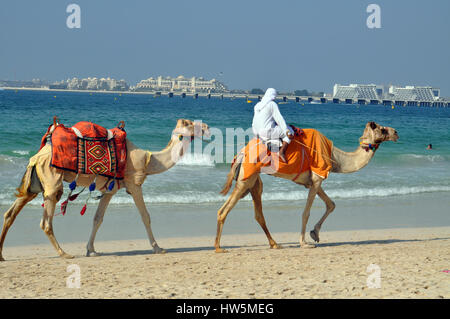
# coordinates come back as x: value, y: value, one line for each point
x: 403, y: 170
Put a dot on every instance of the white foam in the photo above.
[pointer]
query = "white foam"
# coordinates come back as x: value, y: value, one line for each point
x: 423, y: 158
x: 20, y: 152
x: 4, y: 158
x: 359, y: 192
x: 212, y: 197
x: 196, y: 159
x: 193, y: 197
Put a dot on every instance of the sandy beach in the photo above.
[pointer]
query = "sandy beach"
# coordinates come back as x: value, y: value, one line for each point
x: 412, y: 263
x: 154, y: 126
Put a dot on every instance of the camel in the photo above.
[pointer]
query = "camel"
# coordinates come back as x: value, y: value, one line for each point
x: 140, y: 163
x: 342, y: 162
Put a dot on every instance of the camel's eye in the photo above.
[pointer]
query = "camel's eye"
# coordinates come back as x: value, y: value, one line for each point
x: 384, y: 131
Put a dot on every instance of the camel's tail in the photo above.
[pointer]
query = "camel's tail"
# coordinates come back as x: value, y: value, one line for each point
x: 24, y: 187
x: 231, y: 175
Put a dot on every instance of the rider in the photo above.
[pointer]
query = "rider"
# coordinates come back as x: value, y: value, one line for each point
x: 269, y: 125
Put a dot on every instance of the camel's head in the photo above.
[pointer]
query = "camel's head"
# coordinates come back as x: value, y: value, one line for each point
x: 375, y: 133
x: 192, y: 129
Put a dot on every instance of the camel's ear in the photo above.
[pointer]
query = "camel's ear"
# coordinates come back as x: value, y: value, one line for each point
x: 182, y: 123
x: 187, y: 122
x: 373, y: 125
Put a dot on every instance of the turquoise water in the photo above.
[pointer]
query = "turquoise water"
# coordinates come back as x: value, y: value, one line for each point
x: 402, y: 168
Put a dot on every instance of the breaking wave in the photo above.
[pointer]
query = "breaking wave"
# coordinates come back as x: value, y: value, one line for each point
x: 196, y: 159
x: 199, y: 197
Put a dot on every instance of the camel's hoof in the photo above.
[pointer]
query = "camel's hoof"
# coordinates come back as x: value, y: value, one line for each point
x: 2, y: 259
x: 221, y: 250
x: 93, y: 254
x: 306, y: 245
x: 67, y: 256
x: 159, y: 250
x: 276, y: 246
x: 314, y: 235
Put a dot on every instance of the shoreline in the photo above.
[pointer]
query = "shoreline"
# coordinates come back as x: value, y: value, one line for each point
x: 413, y: 263
x: 175, y: 93
x: 67, y: 90
x: 123, y: 222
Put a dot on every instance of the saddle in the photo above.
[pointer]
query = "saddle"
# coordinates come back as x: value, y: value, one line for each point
x: 272, y: 145
x: 309, y: 150
x: 88, y: 148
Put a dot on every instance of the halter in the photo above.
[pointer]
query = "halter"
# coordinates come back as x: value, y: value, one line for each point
x: 369, y: 146
x: 181, y: 136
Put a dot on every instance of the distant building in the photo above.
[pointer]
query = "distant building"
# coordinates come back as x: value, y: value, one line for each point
x: 35, y: 83
x: 378, y: 92
x: 414, y: 93
x: 358, y: 91
x: 104, y: 84
x: 181, y: 84
x: 58, y: 85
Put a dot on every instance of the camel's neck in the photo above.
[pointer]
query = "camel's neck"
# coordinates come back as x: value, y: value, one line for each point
x: 349, y: 162
x: 165, y: 159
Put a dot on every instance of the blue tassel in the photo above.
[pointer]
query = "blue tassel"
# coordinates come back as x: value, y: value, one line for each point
x: 73, y: 185
x: 111, y: 186
x: 92, y: 187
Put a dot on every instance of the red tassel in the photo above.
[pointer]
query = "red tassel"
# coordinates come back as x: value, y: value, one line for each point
x: 63, y: 207
x: 83, y: 210
x: 42, y: 205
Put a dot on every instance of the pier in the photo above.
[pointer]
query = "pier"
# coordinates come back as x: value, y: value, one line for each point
x: 257, y: 97
x: 304, y: 99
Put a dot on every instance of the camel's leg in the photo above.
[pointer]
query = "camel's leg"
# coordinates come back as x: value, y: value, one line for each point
x: 256, y: 192
x: 222, y: 215
x: 136, y: 192
x: 46, y: 223
x: 240, y: 188
x: 98, y: 219
x: 51, y: 179
x: 316, y: 182
x: 330, y: 207
x: 11, y: 215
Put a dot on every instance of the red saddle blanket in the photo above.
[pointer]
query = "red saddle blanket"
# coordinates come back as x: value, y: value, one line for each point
x: 88, y: 148
x: 309, y: 150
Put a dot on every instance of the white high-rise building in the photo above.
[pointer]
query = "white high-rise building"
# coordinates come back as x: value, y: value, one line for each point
x: 378, y: 92
x: 414, y: 93
x: 358, y: 91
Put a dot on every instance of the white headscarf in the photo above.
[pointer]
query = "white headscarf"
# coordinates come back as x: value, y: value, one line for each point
x: 269, y: 96
x: 268, y: 122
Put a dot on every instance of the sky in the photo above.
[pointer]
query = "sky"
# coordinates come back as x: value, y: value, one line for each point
x: 283, y: 44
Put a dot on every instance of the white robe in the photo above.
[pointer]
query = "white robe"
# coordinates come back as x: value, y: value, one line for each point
x: 268, y: 123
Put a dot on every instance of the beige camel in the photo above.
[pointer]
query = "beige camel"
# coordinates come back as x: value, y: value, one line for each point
x: 140, y: 163
x: 342, y: 162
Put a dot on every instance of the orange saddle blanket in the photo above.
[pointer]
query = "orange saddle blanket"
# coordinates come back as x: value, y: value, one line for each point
x: 88, y: 148
x: 309, y: 150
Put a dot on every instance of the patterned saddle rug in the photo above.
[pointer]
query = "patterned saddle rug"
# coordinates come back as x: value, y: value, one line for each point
x: 88, y: 148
